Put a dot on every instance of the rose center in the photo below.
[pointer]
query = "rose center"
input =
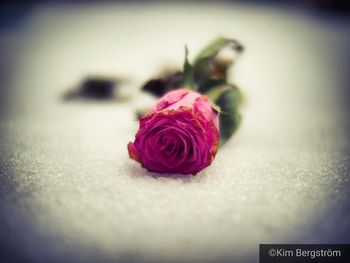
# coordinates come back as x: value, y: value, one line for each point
x: 169, y: 144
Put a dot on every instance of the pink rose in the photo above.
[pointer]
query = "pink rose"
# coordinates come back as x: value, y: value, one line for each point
x: 180, y: 134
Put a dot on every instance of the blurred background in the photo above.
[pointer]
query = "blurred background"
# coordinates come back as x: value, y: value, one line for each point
x: 70, y: 193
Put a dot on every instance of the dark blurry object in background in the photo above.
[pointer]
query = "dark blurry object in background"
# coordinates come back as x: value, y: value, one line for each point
x: 168, y: 80
x: 95, y: 88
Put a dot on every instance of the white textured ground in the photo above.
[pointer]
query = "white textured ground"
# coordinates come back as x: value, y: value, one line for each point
x: 70, y: 192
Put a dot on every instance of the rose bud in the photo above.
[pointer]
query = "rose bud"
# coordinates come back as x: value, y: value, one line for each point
x: 180, y: 134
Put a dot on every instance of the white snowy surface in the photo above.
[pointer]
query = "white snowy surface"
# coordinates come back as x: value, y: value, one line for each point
x: 75, y: 196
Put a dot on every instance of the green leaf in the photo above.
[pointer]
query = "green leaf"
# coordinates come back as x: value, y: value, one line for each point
x: 215, y: 46
x: 209, y: 84
x: 229, y: 100
x: 214, y: 106
x: 215, y: 93
x: 208, y: 68
x: 187, y: 75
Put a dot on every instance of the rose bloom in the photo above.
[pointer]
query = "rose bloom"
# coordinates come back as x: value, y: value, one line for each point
x: 180, y: 134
